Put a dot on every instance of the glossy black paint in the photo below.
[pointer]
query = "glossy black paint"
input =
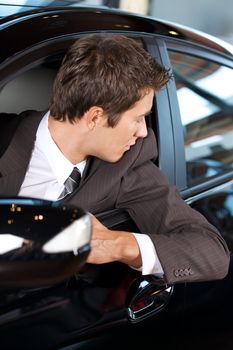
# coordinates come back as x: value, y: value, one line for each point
x: 31, y: 224
x: 50, y: 23
x: 112, y: 305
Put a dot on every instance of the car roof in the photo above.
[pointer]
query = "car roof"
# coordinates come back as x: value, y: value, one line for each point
x: 11, y: 7
x: 26, y: 29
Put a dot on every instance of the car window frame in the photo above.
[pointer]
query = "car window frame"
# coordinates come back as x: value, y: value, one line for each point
x: 166, y: 150
x: 22, y: 61
x: 200, y: 52
x: 31, y: 56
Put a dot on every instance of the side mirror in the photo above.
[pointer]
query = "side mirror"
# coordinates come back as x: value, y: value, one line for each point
x: 41, y: 242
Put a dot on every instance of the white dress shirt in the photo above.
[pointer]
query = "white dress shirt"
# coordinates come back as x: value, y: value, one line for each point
x: 47, y: 171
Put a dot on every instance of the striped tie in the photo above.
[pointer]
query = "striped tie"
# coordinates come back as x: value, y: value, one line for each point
x: 71, y: 183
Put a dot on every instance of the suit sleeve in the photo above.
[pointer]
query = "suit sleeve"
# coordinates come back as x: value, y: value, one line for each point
x: 188, y: 246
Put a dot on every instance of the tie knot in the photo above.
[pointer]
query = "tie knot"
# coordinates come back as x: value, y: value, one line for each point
x: 75, y: 176
x: 73, y: 180
x: 71, y: 183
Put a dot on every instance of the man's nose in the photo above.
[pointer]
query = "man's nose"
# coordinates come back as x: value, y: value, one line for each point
x: 142, y: 130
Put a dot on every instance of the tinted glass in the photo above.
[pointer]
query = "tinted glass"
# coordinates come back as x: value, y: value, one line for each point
x: 30, y: 89
x: 205, y: 96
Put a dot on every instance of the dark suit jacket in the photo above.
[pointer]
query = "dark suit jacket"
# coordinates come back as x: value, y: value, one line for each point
x: 189, y: 248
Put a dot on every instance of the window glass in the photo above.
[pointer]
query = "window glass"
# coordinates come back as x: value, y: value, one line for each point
x: 205, y: 96
x: 29, y: 90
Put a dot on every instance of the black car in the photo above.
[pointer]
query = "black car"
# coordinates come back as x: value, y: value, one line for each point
x: 50, y: 299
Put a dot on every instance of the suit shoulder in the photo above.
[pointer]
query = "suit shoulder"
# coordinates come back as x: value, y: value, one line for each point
x: 9, y: 120
x: 9, y: 124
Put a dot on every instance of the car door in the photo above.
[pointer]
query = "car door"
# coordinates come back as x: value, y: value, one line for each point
x: 202, y: 117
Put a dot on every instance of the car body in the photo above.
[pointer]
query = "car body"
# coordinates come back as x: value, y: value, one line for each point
x: 113, y: 305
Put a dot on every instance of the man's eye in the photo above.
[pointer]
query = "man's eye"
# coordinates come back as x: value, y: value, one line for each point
x: 148, y: 114
x: 141, y: 119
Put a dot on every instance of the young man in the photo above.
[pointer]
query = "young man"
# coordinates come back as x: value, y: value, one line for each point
x: 97, y: 124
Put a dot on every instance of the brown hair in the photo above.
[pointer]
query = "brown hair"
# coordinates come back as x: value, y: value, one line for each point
x: 108, y: 71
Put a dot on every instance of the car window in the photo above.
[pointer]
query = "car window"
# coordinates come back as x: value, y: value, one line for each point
x: 205, y: 96
x: 29, y: 90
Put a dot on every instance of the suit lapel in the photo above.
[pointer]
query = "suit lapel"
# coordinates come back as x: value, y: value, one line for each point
x: 90, y: 168
x: 15, y: 160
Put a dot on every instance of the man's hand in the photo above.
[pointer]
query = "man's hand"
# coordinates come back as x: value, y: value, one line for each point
x: 108, y: 246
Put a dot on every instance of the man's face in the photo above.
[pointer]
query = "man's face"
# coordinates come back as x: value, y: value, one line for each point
x: 112, y: 143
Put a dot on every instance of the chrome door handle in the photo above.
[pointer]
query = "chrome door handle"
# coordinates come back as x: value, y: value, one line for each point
x: 147, y: 297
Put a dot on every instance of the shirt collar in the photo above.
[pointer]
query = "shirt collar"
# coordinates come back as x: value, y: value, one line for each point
x: 60, y: 165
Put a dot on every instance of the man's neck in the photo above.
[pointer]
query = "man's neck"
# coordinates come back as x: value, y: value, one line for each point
x: 66, y: 137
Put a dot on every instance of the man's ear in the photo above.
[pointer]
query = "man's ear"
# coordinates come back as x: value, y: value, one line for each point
x: 94, y: 116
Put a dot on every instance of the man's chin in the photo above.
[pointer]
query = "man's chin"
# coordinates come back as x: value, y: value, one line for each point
x: 115, y: 159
